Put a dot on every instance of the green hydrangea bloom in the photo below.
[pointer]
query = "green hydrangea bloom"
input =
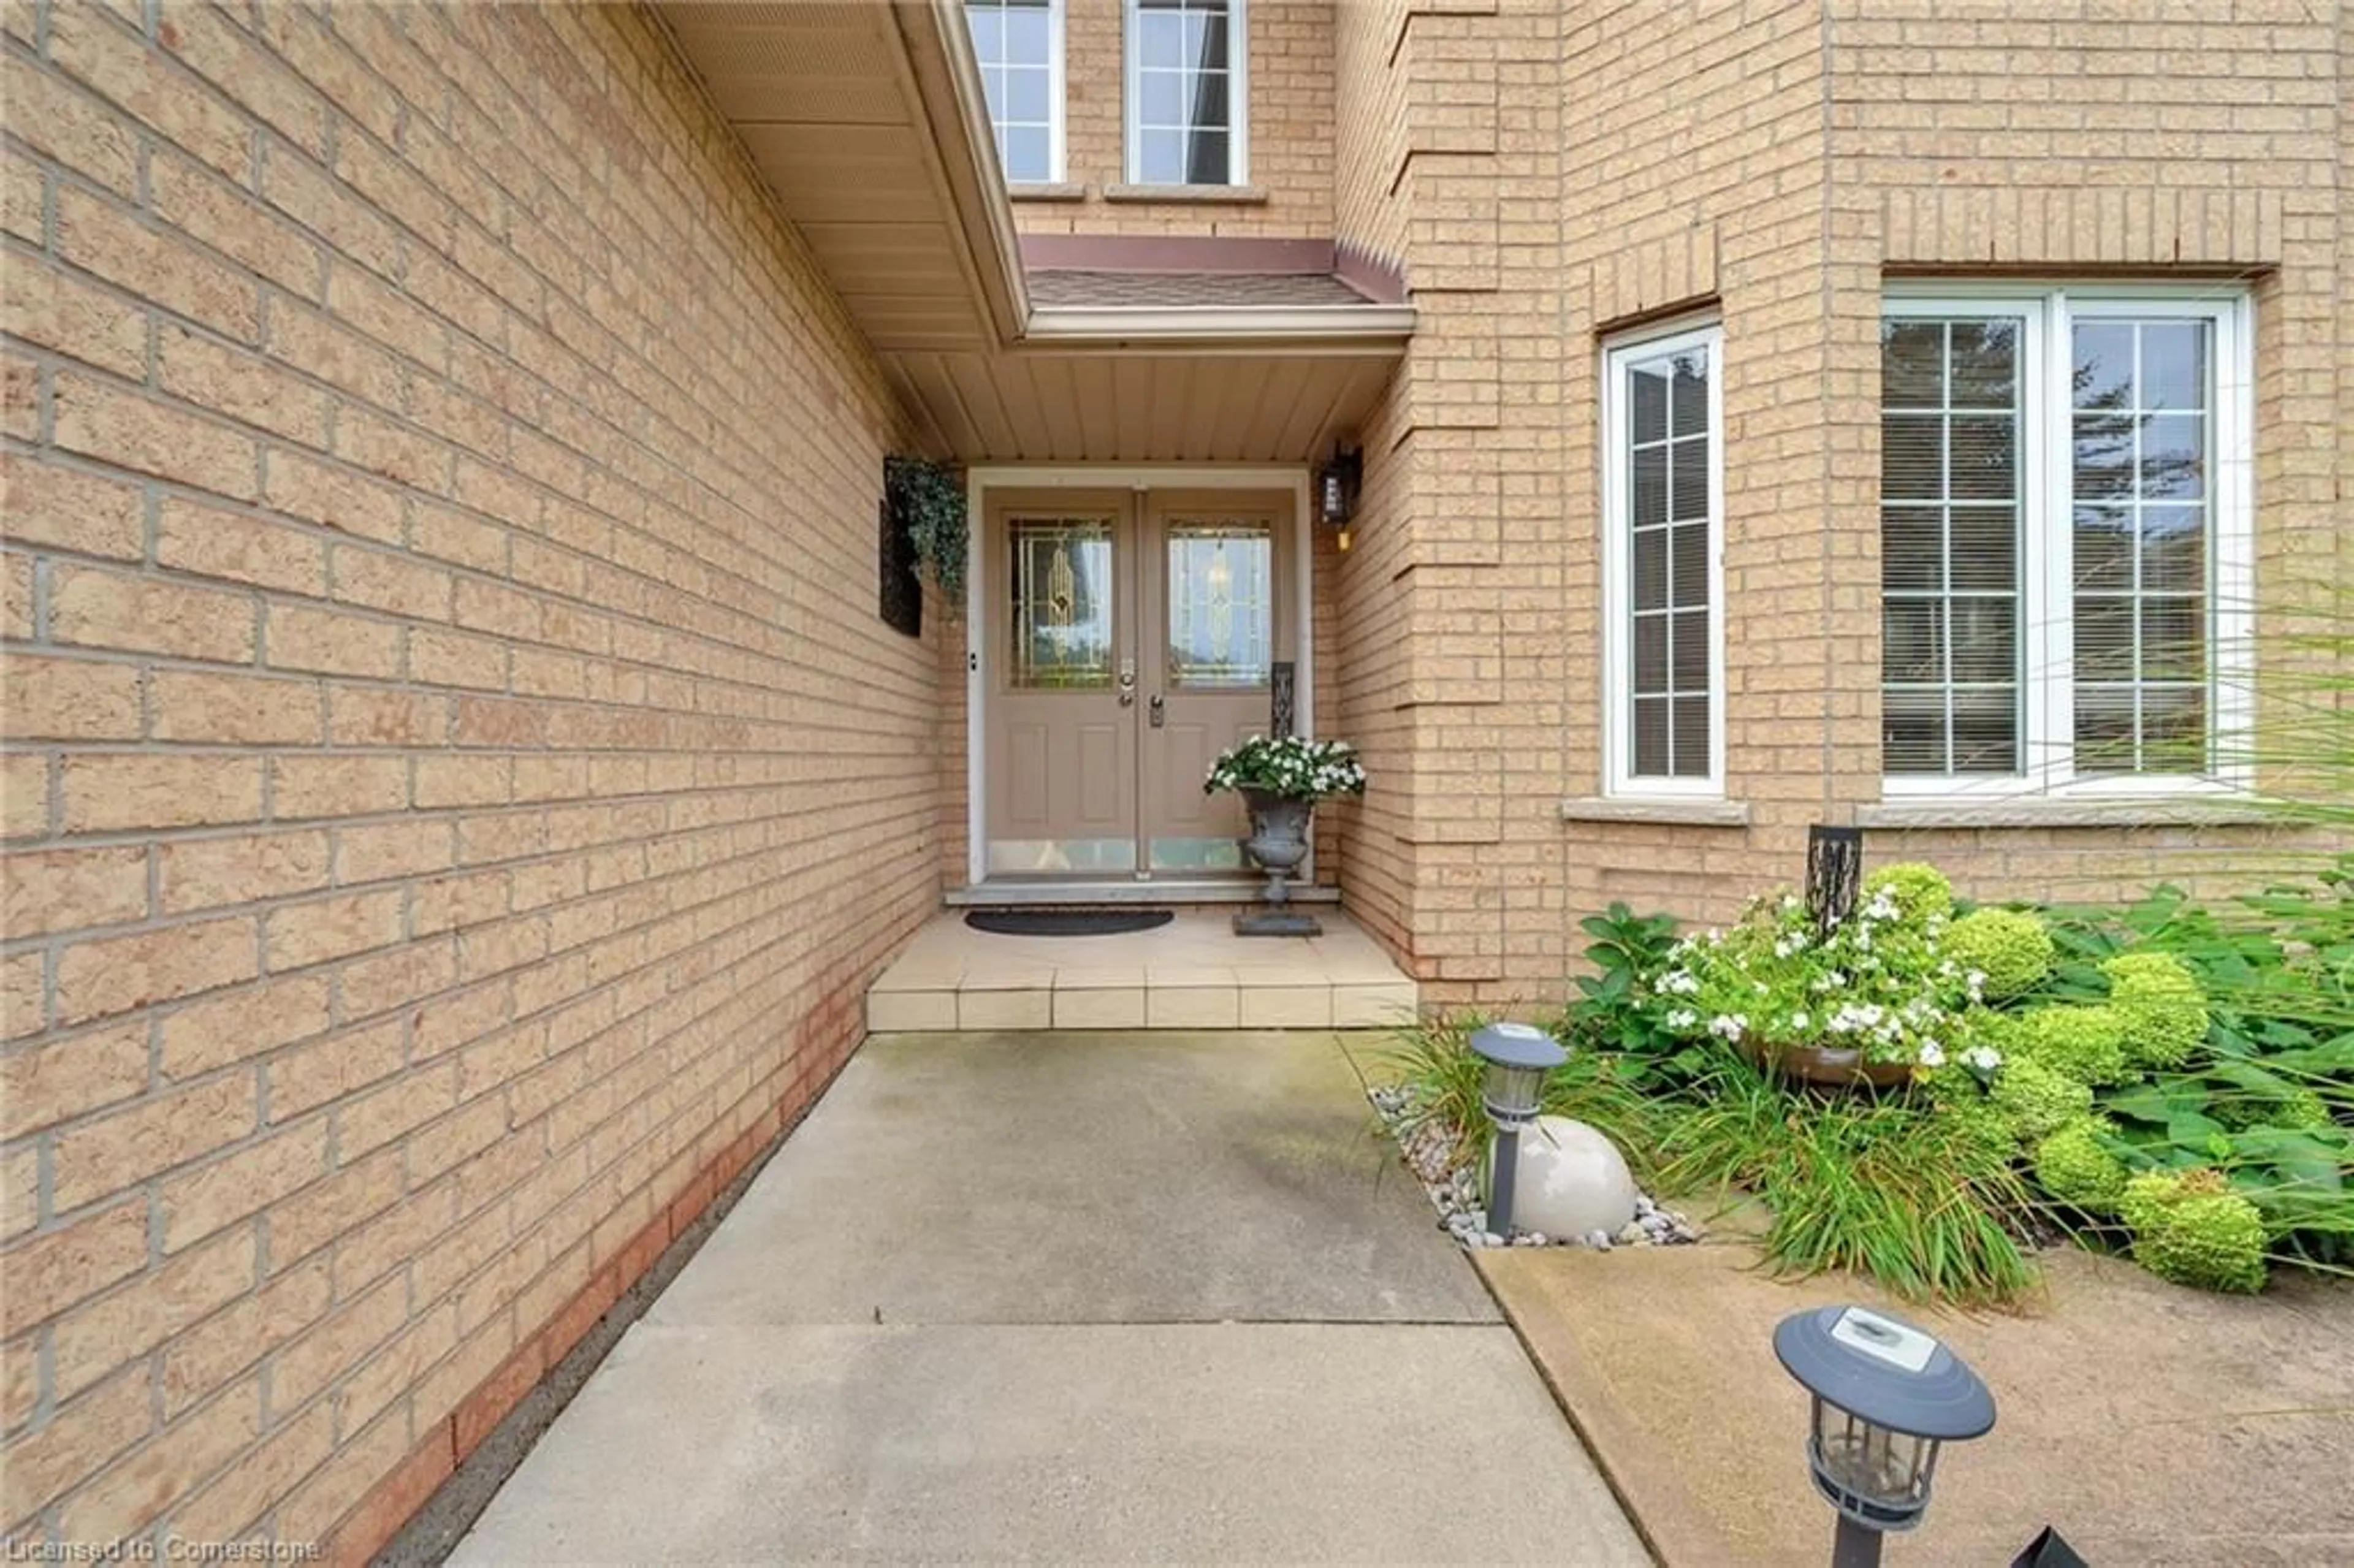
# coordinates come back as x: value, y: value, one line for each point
x: 2039, y: 1098
x: 2189, y: 1227
x: 2300, y: 1109
x: 2073, y: 1165
x: 2011, y: 949
x: 2165, y: 1012
x: 2303, y: 1110
x: 2086, y: 1044
x: 1957, y: 1097
x: 1921, y: 892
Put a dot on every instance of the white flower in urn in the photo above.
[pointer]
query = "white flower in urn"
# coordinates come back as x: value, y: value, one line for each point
x: 1289, y: 765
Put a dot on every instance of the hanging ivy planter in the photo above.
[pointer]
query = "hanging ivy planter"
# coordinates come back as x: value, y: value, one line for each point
x: 928, y: 500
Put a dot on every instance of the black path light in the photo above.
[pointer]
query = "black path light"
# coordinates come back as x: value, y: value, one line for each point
x: 1887, y: 1397
x: 1519, y: 1055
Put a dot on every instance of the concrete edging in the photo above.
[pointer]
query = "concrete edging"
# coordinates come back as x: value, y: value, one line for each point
x: 1655, y: 1503
x: 482, y: 1451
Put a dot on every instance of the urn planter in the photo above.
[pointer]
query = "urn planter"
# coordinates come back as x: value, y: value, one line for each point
x: 1828, y: 1067
x: 1278, y: 842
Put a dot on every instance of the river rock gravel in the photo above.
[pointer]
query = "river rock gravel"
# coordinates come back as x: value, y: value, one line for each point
x: 1454, y: 1188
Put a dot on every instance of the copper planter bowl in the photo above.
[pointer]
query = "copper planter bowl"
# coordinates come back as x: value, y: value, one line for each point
x: 1828, y: 1067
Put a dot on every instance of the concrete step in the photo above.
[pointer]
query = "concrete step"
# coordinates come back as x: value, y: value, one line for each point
x: 1193, y: 973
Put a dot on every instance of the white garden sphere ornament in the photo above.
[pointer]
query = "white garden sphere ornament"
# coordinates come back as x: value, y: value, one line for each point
x: 1570, y: 1181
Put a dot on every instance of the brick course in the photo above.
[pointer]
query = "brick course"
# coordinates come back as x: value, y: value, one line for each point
x: 436, y: 701
x: 1546, y: 175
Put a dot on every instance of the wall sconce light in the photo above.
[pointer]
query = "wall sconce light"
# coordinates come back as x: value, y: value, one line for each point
x: 1336, y: 490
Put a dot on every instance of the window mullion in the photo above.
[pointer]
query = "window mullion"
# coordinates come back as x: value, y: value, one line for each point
x: 2050, y: 529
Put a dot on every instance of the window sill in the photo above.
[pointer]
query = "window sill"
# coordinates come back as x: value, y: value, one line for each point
x: 2154, y: 811
x: 1230, y: 195
x: 1659, y: 810
x: 1060, y: 190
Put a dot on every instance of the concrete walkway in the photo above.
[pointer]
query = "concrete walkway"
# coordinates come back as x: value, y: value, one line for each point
x: 1069, y: 1297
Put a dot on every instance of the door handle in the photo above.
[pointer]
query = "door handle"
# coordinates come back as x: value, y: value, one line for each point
x: 1159, y: 709
x: 1127, y: 684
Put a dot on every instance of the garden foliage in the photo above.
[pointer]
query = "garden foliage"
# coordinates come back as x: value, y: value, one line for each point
x: 2169, y: 1078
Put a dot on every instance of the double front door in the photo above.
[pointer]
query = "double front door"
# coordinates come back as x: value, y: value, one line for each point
x: 1132, y: 635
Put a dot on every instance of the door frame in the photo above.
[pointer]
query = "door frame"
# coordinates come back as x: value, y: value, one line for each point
x: 981, y: 562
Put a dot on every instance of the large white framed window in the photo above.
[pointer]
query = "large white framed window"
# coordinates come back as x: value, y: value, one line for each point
x: 1188, y: 92
x: 2066, y: 543
x: 1662, y: 558
x: 1019, y: 45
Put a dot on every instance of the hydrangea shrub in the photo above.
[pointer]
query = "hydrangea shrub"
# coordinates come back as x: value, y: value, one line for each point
x: 2164, y: 1009
x: 2189, y: 1226
x: 2011, y: 949
x: 2086, y: 1044
x: 1920, y: 892
x: 2039, y: 1098
x: 2095, y: 1093
x: 2074, y: 1166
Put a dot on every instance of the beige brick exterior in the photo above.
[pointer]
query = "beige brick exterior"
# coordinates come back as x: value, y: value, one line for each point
x: 457, y: 784
x: 1548, y: 174
x: 1290, y: 190
x: 456, y: 787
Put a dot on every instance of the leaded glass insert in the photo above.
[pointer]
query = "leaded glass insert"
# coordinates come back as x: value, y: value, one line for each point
x: 1221, y: 605
x: 1062, y: 592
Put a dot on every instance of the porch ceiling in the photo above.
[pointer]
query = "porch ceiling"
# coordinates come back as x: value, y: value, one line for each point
x: 1140, y: 404
x: 866, y: 118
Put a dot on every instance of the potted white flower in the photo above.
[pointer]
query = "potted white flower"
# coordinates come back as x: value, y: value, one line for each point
x: 1281, y: 781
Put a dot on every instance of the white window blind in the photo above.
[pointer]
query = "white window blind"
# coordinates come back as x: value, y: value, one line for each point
x: 1951, y: 480
x: 1186, y: 92
x: 1662, y: 541
x: 2065, y: 539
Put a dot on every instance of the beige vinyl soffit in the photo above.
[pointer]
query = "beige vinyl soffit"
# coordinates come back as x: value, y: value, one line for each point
x: 960, y: 128
x: 1069, y: 324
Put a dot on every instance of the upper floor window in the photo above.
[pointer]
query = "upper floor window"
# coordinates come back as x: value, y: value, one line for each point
x: 1019, y: 44
x: 1661, y: 548
x: 1187, y: 86
x: 2065, y: 543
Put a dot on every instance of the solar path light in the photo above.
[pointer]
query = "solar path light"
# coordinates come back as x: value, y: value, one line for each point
x: 1519, y: 1055
x: 1887, y: 1397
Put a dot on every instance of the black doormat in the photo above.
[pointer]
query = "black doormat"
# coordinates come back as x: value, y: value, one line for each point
x: 1068, y: 922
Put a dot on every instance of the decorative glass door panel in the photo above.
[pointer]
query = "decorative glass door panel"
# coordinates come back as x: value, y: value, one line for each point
x: 1062, y: 618
x: 1220, y: 596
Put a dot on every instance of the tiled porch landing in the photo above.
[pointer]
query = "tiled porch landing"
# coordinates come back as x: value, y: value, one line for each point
x: 1193, y: 973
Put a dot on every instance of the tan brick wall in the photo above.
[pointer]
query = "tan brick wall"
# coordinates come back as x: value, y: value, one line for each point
x: 456, y: 783
x: 1290, y: 131
x: 1545, y: 174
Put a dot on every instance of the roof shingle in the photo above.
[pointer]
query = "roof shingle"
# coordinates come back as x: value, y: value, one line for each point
x: 1087, y: 288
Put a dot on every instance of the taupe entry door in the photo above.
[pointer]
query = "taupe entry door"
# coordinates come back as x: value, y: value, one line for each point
x: 1133, y: 636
